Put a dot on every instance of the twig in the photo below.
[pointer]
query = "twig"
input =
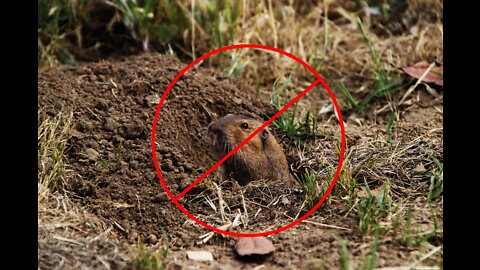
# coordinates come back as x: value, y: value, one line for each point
x: 326, y: 225
x: 433, y: 251
x: 94, y: 114
x: 67, y: 240
x: 245, y: 222
x: 220, y: 201
x: 118, y: 226
x: 300, y: 210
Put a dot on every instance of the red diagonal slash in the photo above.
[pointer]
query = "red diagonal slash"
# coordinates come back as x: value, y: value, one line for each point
x: 247, y: 139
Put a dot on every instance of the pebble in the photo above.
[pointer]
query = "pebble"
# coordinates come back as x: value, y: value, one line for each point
x: 167, y: 166
x: 152, y: 239
x: 200, y: 256
x: 152, y: 99
x: 110, y: 124
x: 92, y: 154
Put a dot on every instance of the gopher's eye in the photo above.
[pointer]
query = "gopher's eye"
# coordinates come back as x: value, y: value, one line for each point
x: 244, y: 125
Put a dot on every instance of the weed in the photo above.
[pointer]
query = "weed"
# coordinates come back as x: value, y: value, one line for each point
x: 373, y: 253
x: 56, y: 21
x: 371, y: 209
x: 144, y: 258
x: 360, y: 107
x: 391, y: 118
x: 138, y: 18
x: 102, y: 162
x: 313, y: 189
x: 216, y: 23
x: 412, y: 237
x: 235, y: 66
x: 367, y: 263
x: 436, y: 177
x: 344, y: 254
x: 386, y: 82
x: 351, y: 102
x: 346, y: 185
x: 296, y: 126
x: 276, y: 92
x: 381, y: 77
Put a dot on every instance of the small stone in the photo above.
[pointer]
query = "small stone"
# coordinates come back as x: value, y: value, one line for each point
x: 134, y: 236
x: 187, y: 167
x: 167, y: 166
x: 177, y: 159
x: 92, y: 78
x: 133, y: 131
x: 110, y: 124
x: 92, y: 154
x: 152, y: 239
x: 254, y: 246
x: 101, y: 105
x: 160, y: 198
x: 164, y: 150
x: 152, y: 99
x: 134, y: 164
x: 201, y: 256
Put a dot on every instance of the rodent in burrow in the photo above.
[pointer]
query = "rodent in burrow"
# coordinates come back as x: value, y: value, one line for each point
x: 260, y: 158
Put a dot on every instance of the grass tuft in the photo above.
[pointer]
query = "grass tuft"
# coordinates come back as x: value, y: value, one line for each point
x: 344, y: 254
x: 386, y: 82
x: 367, y: 263
x: 371, y: 209
x: 53, y: 134
x: 297, y: 126
x: 412, y: 237
x: 313, y: 189
x: 436, y: 177
x: 145, y: 258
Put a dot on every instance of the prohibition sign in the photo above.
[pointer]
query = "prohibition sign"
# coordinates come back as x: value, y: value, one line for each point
x: 319, y: 80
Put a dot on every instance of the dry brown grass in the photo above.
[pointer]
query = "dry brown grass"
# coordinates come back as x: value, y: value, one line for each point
x: 335, y: 48
x: 68, y: 235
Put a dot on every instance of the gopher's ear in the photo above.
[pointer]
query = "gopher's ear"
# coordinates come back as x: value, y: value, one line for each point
x: 264, y: 134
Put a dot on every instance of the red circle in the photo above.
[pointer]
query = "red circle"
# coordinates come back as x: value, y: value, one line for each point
x: 255, y: 46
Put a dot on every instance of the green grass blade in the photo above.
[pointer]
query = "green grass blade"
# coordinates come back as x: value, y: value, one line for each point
x: 344, y: 254
x: 373, y: 256
x: 391, y: 118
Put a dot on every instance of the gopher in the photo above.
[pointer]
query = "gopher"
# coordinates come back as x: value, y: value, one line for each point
x: 260, y: 158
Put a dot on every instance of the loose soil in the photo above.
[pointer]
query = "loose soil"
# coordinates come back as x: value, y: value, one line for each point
x: 113, y: 176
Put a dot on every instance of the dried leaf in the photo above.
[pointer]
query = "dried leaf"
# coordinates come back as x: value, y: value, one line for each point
x: 364, y: 193
x: 417, y: 70
x: 419, y: 168
x: 285, y: 201
x: 254, y: 245
x: 354, y: 119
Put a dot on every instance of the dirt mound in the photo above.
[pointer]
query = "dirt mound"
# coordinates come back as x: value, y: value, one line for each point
x: 113, y: 104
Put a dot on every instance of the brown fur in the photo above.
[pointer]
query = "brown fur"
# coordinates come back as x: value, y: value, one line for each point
x: 260, y: 158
